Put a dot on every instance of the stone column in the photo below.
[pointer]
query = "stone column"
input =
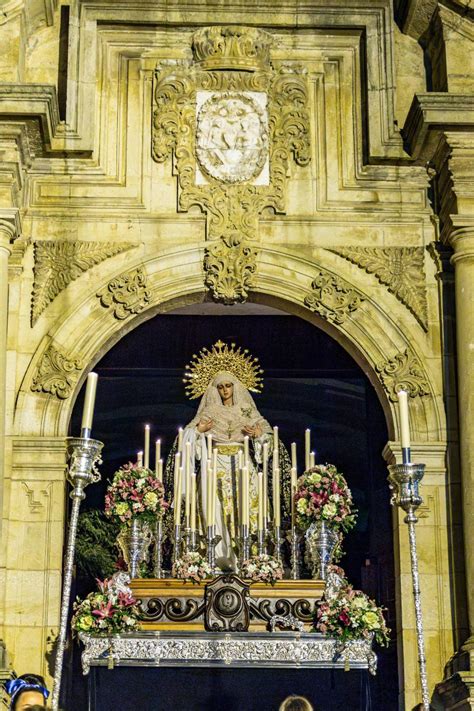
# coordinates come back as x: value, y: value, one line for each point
x: 7, y: 233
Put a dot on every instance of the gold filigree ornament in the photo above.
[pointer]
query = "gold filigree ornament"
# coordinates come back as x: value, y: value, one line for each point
x: 205, y: 366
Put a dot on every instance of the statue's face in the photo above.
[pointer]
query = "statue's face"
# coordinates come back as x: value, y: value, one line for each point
x: 28, y: 699
x: 226, y: 391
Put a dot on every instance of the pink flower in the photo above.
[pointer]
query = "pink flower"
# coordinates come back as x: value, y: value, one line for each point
x: 104, y: 611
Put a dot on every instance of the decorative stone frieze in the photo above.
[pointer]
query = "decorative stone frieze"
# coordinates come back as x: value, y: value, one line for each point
x: 229, y: 269
x: 333, y: 298
x: 126, y: 294
x: 57, y: 373
x: 57, y: 264
x: 401, y: 269
x: 403, y: 372
x: 232, y: 134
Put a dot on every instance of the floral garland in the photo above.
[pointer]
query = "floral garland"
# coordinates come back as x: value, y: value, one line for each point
x: 350, y: 614
x: 262, y: 568
x: 322, y: 494
x: 191, y: 566
x: 109, y: 611
x: 135, y: 492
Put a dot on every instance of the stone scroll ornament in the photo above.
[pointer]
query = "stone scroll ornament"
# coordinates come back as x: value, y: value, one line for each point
x: 403, y: 372
x: 332, y: 297
x: 57, y: 373
x: 126, y: 295
x: 231, y: 120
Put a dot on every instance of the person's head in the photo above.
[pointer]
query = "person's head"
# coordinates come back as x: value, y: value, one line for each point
x: 224, y: 382
x: 26, y: 692
x: 295, y: 703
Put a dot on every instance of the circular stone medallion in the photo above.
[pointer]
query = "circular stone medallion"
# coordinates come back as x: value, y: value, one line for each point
x: 232, y: 137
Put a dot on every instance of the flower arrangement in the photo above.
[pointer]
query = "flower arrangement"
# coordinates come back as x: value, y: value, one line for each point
x: 322, y: 494
x: 109, y: 611
x: 350, y: 614
x: 262, y: 568
x: 191, y: 566
x: 135, y: 492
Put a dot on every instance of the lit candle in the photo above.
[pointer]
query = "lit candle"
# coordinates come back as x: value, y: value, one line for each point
x: 260, y: 501
x: 265, y: 483
x: 159, y: 470
x: 275, y: 438
x: 293, y: 492
x: 404, y: 425
x: 246, y: 450
x: 312, y: 459
x: 157, y: 452
x: 293, y: 455
x: 140, y: 459
x: 89, y: 401
x: 187, y: 476
x: 193, y: 501
x: 178, y: 488
x: 245, y: 496
x: 146, y: 461
x: 307, y: 448
x: 180, y: 439
x: 276, y: 498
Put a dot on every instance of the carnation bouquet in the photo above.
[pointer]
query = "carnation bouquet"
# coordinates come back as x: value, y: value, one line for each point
x: 111, y: 610
x: 262, y: 568
x: 351, y: 614
x: 322, y: 494
x: 191, y: 566
x: 135, y: 492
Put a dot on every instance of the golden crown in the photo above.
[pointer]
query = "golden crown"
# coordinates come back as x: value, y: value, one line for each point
x: 232, y: 47
x: 205, y: 366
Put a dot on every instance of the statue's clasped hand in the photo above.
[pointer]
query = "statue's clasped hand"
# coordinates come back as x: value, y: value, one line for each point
x: 255, y: 431
x: 205, y: 424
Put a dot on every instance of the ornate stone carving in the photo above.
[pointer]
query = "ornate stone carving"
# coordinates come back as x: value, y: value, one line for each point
x: 59, y: 263
x: 126, y: 294
x: 229, y: 269
x: 232, y: 134
x: 56, y: 373
x: 333, y: 298
x: 403, y: 372
x: 401, y: 269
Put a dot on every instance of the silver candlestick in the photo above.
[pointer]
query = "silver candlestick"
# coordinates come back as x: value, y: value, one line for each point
x: 244, y: 543
x: 295, y: 539
x: 261, y: 541
x: 212, y: 541
x: 84, y: 456
x: 404, y: 480
x: 193, y: 539
x: 158, y: 572
x: 177, y: 543
x: 277, y: 543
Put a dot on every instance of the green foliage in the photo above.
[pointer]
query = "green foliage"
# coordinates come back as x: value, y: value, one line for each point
x: 96, y: 552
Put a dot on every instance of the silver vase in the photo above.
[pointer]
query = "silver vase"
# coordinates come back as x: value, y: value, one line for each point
x: 321, y: 542
x: 134, y: 542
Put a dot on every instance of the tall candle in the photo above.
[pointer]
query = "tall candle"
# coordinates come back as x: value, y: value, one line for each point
x: 245, y: 496
x: 187, y: 475
x: 159, y: 470
x: 193, y: 501
x: 180, y: 439
x: 246, y: 451
x: 276, y: 498
x: 212, y: 517
x: 214, y: 461
x: 260, y: 501
x: 177, y: 482
x: 293, y: 491
x: 89, y: 401
x: 307, y: 448
x: 312, y: 459
x: 404, y: 420
x: 275, y: 438
x: 275, y: 459
x: 240, y: 460
x: 265, y: 483
x: 140, y: 459
x: 178, y: 495
x: 209, y: 444
x: 146, y: 449
x: 157, y: 452
x: 208, y: 489
x: 293, y: 455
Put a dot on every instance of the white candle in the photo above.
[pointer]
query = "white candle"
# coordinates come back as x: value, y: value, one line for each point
x: 246, y: 450
x: 265, y: 483
x: 180, y: 439
x: 209, y: 444
x: 307, y: 448
x: 159, y: 470
x: 157, y: 452
x: 312, y: 459
x: 208, y: 489
x: 146, y: 449
x: 293, y: 455
x: 214, y: 460
x: 193, y: 501
x: 276, y: 498
x: 240, y: 460
x: 275, y: 438
x: 140, y: 459
x: 275, y: 459
x: 245, y: 496
x: 404, y: 420
x: 178, y: 496
x: 187, y: 476
x: 212, y: 517
x: 89, y: 401
x: 293, y: 492
x: 260, y: 501
x: 177, y: 481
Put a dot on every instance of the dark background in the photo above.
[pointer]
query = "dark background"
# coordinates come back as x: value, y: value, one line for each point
x: 309, y: 381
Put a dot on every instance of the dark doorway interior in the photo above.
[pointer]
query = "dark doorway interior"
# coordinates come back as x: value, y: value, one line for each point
x: 309, y: 381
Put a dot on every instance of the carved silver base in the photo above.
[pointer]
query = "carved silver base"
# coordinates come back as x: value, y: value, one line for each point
x: 321, y: 541
x: 158, y: 568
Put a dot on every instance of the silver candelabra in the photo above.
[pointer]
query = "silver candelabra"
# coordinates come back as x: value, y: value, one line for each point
x: 404, y: 480
x: 84, y: 456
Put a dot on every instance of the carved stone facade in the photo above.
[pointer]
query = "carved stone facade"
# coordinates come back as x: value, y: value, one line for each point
x: 283, y: 166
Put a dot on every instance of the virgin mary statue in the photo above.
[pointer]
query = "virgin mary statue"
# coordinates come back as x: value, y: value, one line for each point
x: 226, y: 415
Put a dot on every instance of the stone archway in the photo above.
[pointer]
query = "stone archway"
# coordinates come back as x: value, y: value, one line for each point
x: 377, y: 334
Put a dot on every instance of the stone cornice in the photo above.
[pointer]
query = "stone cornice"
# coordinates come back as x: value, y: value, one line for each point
x: 10, y: 223
x: 18, y: 101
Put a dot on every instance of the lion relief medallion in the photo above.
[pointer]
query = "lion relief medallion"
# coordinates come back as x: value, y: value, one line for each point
x: 232, y: 136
